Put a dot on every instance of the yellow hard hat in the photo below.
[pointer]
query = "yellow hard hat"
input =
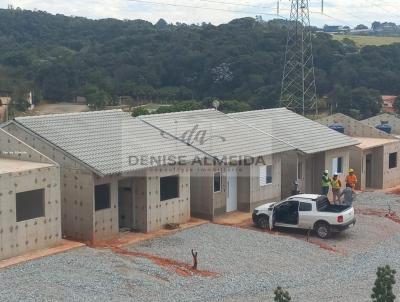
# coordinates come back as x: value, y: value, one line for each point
x: 351, y: 170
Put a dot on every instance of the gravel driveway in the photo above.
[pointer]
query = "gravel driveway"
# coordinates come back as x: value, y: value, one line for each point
x: 248, y: 265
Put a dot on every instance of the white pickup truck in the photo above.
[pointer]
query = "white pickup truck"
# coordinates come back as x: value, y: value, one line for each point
x: 305, y: 211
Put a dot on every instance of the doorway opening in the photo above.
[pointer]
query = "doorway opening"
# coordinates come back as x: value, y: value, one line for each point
x: 368, y: 170
x: 126, y: 217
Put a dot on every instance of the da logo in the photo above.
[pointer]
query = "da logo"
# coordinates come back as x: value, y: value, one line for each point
x: 195, y: 136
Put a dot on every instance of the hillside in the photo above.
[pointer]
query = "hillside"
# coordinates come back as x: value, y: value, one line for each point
x: 362, y: 41
x: 61, y: 57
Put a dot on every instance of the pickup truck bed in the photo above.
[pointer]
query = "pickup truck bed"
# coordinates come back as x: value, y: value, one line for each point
x: 323, y: 205
x: 335, y: 209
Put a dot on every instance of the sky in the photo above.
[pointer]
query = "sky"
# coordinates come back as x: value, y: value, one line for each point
x: 336, y: 12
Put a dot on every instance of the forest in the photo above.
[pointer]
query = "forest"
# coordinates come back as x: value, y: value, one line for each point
x: 239, y: 63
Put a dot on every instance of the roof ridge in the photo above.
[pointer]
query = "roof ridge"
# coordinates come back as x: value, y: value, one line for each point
x: 381, y: 114
x: 68, y: 114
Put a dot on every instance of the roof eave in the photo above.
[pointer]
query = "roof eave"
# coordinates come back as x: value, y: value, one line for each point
x: 338, y: 147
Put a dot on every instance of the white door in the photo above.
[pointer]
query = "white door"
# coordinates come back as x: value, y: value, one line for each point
x: 231, y: 190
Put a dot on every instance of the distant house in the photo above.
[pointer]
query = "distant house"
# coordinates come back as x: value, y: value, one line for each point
x: 389, y: 103
x: 375, y: 158
x: 385, y: 27
x: 385, y: 118
x: 80, y: 100
x: 336, y: 29
x: 30, y: 216
x: 5, y: 100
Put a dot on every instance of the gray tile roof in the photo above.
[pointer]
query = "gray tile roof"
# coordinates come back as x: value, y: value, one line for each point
x: 217, y: 134
x: 108, y: 142
x: 391, y: 119
x: 303, y: 133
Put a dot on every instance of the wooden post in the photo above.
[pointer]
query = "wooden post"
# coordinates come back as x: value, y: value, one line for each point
x: 194, y: 254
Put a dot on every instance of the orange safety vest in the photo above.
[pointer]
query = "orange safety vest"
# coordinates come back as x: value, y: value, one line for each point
x: 352, y: 180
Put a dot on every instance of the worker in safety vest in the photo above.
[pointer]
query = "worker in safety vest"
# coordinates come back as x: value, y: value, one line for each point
x: 351, y: 179
x: 326, y: 182
x: 336, y: 186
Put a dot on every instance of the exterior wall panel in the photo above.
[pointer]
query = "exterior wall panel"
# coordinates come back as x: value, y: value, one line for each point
x: 106, y: 221
x: 176, y: 210
x: 20, y: 237
x: 391, y: 177
x: 270, y: 192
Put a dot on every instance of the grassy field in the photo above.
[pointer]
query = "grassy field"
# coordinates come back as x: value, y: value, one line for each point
x: 362, y: 41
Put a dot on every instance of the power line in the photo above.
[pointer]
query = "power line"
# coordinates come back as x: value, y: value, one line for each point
x: 277, y: 14
x: 362, y: 8
x: 334, y: 18
x: 349, y: 14
x: 384, y: 9
x: 208, y: 8
x: 238, y: 4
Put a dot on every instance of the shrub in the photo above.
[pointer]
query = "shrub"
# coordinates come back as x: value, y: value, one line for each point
x: 383, y: 289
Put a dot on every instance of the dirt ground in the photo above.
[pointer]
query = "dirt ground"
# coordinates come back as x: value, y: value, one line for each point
x: 45, y: 108
x: 237, y: 262
x: 372, y: 228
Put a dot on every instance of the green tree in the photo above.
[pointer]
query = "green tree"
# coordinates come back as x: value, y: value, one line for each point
x: 383, y: 289
x: 368, y: 101
x: 359, y: 102
x: 240, y: 60
x: 234, y: 106
x: 360, y: 27
x: 96, y: 98
x: 281, y: 295
x: 161, y: 24
x: 181, y: 106
x: 140, y: 111
x: 19, y: 98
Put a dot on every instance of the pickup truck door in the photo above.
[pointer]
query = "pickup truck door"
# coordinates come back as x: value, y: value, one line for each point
x: 272, y: 218
x: 306, y: 216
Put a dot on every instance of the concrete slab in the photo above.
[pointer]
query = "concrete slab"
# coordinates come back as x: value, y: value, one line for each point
x: 65, y: 245
x: 234, y: 219
x: 369, y: 142
x: 130, y: 238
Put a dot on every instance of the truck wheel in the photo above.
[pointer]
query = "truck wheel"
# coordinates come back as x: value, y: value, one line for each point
x: 263, y: 222
x: 323, y: 230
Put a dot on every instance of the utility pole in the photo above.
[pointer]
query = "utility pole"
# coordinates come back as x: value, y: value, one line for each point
x: 298, y: 82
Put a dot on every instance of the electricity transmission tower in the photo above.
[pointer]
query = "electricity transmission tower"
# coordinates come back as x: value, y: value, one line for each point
x: 298, y: 82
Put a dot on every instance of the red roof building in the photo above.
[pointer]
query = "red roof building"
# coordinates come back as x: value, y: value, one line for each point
x: 388, y: 103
